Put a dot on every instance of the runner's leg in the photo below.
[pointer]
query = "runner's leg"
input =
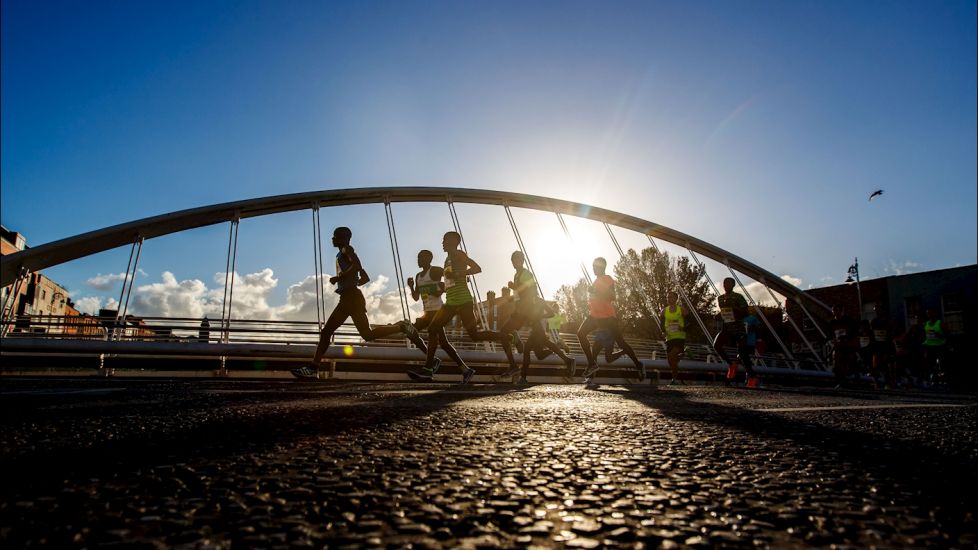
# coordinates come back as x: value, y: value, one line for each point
x: 587, y: 327
x: 437, y: 336
x: 720, y: 345
x: 536, y: 335
x: 744, y: 352
x: 615, y: 327
x: 468, y: 321
x: 335, y: 320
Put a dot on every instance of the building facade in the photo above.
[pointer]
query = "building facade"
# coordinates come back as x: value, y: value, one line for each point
x: 903, y: 300
x: 40, y: 304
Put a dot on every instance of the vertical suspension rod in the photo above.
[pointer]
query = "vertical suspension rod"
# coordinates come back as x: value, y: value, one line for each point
x: 703, y: 268
x: 526, y: 255
x: 316, y: 265
x: 767, y: 323
x: 322, y: 272
x: 227, y: 274
x: 811, y: 318
x: 784, y: 312
x: 132, y: 278
x: 472, y: 283
x: 122, y: 291
x: 8, y: 315
x: 587, y: 275
x: 688, y: 302
x: 229, y: 287
x: 396, y: 255
x: 621, y: 254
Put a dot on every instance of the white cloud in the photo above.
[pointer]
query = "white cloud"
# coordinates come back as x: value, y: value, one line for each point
x: 792, y: 279
x: 91, y: 304
x: 88, y: 304
x: 251, y: 298
x: 105, y: 282
x: 901, y: 268
x: 170, y: 298
x: 760, y: 294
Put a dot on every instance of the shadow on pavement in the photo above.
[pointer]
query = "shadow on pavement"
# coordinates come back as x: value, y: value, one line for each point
x: 50, y: 438
x: 941, y: 477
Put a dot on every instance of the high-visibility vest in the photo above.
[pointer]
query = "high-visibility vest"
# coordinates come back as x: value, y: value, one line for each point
x: 675, y: 324
x: 934, y: 332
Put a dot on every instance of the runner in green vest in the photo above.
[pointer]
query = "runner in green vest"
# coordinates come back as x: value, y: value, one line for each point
x: 674, y: 327
x: 934, y: 346
x: 458, y: 301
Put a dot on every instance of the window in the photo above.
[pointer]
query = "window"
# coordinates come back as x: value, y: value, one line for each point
x: 953, y: 306
x: 869, y: 311
x: 912, y: 308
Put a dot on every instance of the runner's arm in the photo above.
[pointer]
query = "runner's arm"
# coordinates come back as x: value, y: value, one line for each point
x: 355, y: 266
x: 437, y: 273
x: 471, y: 266
x: 415, y: 290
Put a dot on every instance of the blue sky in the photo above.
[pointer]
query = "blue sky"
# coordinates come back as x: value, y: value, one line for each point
x: 759, y: 126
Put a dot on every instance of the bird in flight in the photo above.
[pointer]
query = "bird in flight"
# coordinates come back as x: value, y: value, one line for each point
x: 875, y: 194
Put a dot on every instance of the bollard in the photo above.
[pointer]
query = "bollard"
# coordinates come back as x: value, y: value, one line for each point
x: 222, y: 370
x: 102, y: 370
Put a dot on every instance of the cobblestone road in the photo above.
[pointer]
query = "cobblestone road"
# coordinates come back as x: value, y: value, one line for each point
x: 221, y: 464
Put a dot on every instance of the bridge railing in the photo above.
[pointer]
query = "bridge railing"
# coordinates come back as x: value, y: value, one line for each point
x: 175, y: 330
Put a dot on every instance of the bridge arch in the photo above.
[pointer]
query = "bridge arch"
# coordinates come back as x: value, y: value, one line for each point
x: 135, y: 232
x: 86, y: 244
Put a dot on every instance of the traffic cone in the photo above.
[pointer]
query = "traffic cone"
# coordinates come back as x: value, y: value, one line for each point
x: 732, y: 371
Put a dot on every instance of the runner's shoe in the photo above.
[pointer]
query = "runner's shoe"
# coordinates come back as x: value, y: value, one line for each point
x: 435, y: 365
x: 523, y: 381
x: 673, y: 382
x: 419, y: 377
x: 571, y: 366
x: 408, y: 328
x: 305, y: 373
x: 467, y: 375
x: 640, y: 367
x: 412, y: 334
x: 510, y: 372
x: 590, y: 371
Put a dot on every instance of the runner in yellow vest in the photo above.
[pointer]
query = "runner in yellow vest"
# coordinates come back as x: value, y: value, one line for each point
x: 934, y: 345
x: 674, y: 327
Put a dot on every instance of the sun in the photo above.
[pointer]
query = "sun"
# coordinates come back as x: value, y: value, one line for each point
x: 556, y: 259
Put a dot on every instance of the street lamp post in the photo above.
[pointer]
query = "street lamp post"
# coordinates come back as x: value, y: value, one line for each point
x: 854, y: 272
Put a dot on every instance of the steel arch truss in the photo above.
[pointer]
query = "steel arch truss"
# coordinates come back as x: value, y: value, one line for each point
x: 14, y: 267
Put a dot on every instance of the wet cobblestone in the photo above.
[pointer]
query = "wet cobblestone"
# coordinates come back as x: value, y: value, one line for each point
x: 218, y: 464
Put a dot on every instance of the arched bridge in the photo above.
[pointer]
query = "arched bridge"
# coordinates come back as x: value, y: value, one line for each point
x: 15, y: 267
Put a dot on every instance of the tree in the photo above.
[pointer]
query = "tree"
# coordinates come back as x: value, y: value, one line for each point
x: 572, y: 300
x: 643, y: 282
